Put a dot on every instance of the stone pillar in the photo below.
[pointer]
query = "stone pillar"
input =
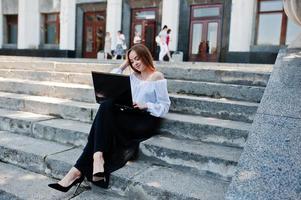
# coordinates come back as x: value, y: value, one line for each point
x: 113, y: 23
x: 170, y: 17
x: 28, y: 24
x: 67, y: 24
x: 242, y: 23
x: 292, y: 9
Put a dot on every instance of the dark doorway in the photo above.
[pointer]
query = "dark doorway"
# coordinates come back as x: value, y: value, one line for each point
x: 94, y: 33
x: 205, y: 31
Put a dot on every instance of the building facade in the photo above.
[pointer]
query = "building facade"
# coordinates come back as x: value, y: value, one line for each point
x: 203, y: 30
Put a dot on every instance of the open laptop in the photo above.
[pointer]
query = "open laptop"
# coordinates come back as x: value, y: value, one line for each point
x: 116, y: 87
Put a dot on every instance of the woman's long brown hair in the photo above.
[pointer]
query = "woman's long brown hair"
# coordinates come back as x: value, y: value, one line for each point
x: 144, y: 54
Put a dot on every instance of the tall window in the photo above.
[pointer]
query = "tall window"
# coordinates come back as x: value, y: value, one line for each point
x: 273, y: 26
x: 52, y: 28
x: 12, y: 29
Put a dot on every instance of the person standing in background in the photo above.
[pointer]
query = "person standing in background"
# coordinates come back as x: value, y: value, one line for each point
x: 137, y: 38
x: 167, y: 44
x: 163, y: 45
x: 108, y: 44
x: 120, y: 44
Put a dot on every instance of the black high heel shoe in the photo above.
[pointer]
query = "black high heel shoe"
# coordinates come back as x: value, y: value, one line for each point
x: 103, y: 183
x: 58, y: 187
x: 99, y: 175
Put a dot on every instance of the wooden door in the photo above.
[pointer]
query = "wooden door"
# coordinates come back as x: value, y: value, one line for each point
x: 144, y: 22
x: 205, y: 28
x: 94, y: 33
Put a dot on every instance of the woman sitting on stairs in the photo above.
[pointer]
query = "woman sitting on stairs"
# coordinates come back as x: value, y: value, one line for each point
x: 115, y: 135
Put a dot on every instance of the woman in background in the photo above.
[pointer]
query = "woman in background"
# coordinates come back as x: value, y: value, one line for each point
x: 120, y: 45
x: 167, y: 43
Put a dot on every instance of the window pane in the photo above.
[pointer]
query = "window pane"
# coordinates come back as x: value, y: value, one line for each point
x: 89, y: 39
x: 138, y: 29
x: 205, y: 12
x: 211, y: 44
x: 150, y: 14
x: 149, y: 37
x: 269, y: 29
x: 196, y: 38
x: 13, y: 34
x: 51, y: 34
x: 51, y: 17
x: 89, y: 18
x: 292, y: 31
x: 271, y: 5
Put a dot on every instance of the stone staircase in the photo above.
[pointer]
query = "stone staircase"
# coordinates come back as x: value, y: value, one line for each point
x: 47, y: 106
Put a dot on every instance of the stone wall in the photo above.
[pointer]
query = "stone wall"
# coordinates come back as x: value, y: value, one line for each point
x: 270, y: 166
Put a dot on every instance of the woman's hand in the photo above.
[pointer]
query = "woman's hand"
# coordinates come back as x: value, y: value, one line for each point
x: 141, y: 106
x: 124, y: 65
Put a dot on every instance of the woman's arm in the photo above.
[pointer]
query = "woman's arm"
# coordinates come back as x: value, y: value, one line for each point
x: 121, y: 68
x: 162, y: 104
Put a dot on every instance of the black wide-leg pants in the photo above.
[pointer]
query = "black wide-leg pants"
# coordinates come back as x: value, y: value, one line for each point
x: 117, y: 134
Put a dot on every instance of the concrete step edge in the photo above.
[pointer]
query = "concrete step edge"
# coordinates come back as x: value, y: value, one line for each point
x: 75, y: 132
x: 57, y: 163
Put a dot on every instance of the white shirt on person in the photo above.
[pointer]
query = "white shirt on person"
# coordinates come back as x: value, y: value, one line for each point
x: 163, y: 36
x: 152, y: 93
x: 120, y: 39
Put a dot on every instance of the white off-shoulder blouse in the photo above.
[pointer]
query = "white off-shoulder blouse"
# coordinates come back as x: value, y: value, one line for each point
x: 152, y: 93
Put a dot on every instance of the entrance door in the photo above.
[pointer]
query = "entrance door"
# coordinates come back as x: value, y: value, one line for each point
x: 144, y: 22
x: 94, y: 33
x: 205, y: 31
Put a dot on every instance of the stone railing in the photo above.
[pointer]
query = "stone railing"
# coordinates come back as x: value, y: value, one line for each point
x: 269, y: 167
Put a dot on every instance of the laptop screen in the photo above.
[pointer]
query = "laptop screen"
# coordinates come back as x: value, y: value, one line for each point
x: 116, y: 87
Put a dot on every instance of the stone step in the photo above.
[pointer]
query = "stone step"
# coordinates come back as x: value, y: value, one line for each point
x: 45, y: 127
x: 68, y: 109
x: 52, y: 76
x: 232, y: 75
x: 158, y: 182
x: 75, y: 133
x: 53, y: 66
x: 154, y: 182
x: 181, y: 126
x: 76, y: 92
x: 61, y: 108
x: 216, y: 90
x: 85, y: 93
x: 70, y: 72
x: 92, y: 195
x: 211, y: 130
x: 17, y: 184
x: 209, y: 107
x: 192, y: 156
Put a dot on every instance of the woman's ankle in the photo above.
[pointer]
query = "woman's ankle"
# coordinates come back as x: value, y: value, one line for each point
x: 75, y: 172
x: 98, y: 156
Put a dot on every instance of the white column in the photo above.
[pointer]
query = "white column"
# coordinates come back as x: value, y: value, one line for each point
x: 242, y: 23
x: 170, y: 17
x: 67, y: 24
x: 1, y: 25
x: 113, y: 21
x: 28, y: 24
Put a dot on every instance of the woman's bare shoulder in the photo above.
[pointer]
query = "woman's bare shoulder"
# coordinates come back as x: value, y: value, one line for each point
x: 157, y: 76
